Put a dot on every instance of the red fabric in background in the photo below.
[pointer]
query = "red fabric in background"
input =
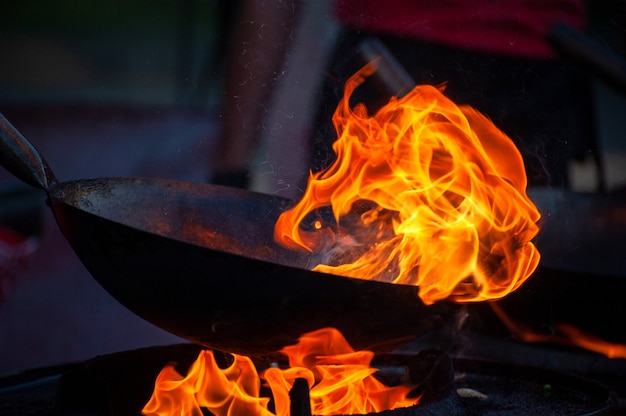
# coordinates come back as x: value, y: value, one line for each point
x: 14, y: 250
x: 512, y: 27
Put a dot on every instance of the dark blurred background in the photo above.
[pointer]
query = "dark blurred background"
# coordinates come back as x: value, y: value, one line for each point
x: 102, y: 88
x: 107, y: 52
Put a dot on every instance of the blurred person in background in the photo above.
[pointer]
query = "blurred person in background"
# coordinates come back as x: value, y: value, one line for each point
x: 259, y: 42
x: 494, y: 55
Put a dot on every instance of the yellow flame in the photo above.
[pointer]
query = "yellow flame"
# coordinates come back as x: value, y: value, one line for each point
x: 341, y: 382
x: 425, y: 193
x: 232, y: 391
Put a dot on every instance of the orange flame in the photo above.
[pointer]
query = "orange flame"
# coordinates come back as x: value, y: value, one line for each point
x: 341, y: 382
x: 232, y: 391
x: 564, y: 334
x: 441, y: 194
x: 580, y: 338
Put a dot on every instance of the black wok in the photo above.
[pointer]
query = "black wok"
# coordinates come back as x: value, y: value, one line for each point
x: 200, y: 261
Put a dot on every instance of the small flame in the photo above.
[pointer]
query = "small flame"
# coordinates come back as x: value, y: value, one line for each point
x: 580, y: 338
x: 564, y: 334
x: 439, y: 195
x: 341, y: 382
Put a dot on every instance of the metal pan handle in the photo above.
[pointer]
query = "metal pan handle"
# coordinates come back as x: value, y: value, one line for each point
x: 21, y: 158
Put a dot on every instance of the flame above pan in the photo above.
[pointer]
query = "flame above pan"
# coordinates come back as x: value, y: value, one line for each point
x: 423, y: 192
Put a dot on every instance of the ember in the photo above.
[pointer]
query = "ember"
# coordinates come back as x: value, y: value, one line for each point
x: 439, y: 195
x: 340, y: 381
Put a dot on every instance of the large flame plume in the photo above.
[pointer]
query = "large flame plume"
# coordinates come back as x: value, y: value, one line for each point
x: 341, y: 381
x: 423, y: 192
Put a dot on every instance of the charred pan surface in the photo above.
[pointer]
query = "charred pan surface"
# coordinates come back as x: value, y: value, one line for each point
x: 200, y: 262
x: 219, y: 218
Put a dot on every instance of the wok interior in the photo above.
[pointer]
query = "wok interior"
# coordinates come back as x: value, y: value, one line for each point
x: 226, y: 285
x: 242, y: 222
x: 219, y: 218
